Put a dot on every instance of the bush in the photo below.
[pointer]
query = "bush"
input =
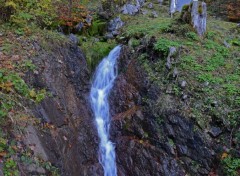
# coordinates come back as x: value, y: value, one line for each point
x: 163, y: 45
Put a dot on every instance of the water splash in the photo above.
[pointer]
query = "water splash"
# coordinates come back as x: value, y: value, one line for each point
x: 104, y: 78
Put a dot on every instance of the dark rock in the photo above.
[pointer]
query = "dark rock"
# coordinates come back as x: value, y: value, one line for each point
x: 73, y: 38
x: 89, y: 19
x: 79, y: 26
x: 63, y: 72
x: 215, y: 131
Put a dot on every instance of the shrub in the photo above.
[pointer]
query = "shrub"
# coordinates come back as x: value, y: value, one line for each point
x: 163, y: 45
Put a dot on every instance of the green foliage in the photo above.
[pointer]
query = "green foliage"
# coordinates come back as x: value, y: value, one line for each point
x: 98, y: 28
x: 97, y: 52
x: 24, y: 12
x: 163, y: 45
x: 192, y: 35
x: 10, y: 168
x: 231, y: 165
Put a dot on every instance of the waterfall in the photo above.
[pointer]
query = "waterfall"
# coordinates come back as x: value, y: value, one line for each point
x: 103, y: 81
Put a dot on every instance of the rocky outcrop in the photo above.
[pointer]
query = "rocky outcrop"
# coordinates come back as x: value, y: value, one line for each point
x: 114, y: 26
x: 71, y: 142
x: 149, y: 140
x: 199, y: 17
x: 132, y: 7
x: 196, y: 15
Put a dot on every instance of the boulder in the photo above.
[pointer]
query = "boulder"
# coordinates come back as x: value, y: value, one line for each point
x: 115, y: 24
x: 131, y: 8
x: 199, y: 17
x: 173, y: 6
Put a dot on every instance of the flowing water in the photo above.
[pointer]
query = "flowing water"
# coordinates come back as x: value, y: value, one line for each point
x: 104, y: 78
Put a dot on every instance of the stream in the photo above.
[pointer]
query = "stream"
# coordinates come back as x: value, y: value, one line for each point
x: 105, y: 75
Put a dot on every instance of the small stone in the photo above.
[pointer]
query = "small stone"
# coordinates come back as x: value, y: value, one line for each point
x: 79, y: 26
x: 184, y: 97
x: 206, y: 84
x: 226, y: 44
x: 175, y: 72
x: 150, y: 5
x: 154, y: 14
x: 214, y: 103
x: 144, y: 12
x: 215, y: 131
x: 88, y: 19
x: 1, y: 34
x: 183, y: 84
x: 74, y: 39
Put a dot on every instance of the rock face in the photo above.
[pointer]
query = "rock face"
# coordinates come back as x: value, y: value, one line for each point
x: 72, y: 143
x: 199, y: 17
x: 146, y: 145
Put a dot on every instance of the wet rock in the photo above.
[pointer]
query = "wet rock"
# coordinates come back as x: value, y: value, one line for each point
x: 73, y: 38
x: 215, y: 131
x: 63, y: 72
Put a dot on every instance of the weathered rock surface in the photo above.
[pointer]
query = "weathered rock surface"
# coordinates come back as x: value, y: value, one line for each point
x: 199, y: 17
x: 145, y: 146
x: 114, y: 26
x: 132, y: 7
x: 72, y: 143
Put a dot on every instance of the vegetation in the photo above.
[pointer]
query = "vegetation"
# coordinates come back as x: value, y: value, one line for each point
x: 210, y: 67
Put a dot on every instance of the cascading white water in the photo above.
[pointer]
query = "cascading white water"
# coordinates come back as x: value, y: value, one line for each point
x: 104, y: 78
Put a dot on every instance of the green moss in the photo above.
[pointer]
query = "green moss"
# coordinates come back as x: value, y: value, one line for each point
x: 98, y: 28
x: 96, y: 51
